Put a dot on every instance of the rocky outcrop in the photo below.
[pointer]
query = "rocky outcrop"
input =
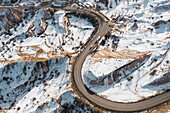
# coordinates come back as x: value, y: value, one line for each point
x: 121, y: 72
x: 104, y: 2
x: 66, y: 103
x: 163, y: 80
x: 156, y: 24
x: 30, y: 27
x: 43, y: 27
x: 48, y: 14
x: 25, y: 76
x: 17, y: 14
x: 14, y: 1
x: 134, y: 27
x: 11, y: 18
x: 1, y: 17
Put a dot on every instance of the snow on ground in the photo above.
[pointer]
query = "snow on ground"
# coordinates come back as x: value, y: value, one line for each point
x: 104, y: 65
x: 21, y: 2
x: 140, y: 86
x: 28, y: 38
x: 28, y: 85
x: 145, y: 26
x: 44, y: 85
x: 81, y: 29
x: 31, y: 80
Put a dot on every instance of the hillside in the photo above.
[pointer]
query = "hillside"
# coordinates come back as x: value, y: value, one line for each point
x: 38, y: 48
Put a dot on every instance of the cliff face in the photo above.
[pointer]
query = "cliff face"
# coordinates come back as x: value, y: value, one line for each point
x: 35, y: 74
x: 120, y: 73
x: 14, y: 2
x: 20, y: 78
x: 33, y: 69
x: 137, y: 26
x: 104, y: 2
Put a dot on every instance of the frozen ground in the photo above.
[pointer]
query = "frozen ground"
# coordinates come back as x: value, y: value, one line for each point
x: 36, y: 87
x: 34, y: 68
x: 144, y: 27
x: 32, y: 84
x: 128, y: 87
x: 22, y: 2
x: 41, y: 35
x: 103, y: 66
x: 35, y: 72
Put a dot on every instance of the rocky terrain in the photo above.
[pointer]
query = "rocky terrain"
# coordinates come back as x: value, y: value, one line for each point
x: 38, y: 47
x: 138, y: 48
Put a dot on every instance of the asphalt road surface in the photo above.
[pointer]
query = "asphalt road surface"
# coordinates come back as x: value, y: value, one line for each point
x: 92, y: 97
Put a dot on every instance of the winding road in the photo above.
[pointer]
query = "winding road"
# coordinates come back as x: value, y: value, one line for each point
x: 95, y: 99
x: 92, y: 97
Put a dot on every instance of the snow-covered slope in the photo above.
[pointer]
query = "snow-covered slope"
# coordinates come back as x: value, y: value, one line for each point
x: 31, y: 84
x: 22, y: 2
x: 40, y: 35
x: 138, y: 28
x: 34, y: 69
x: 37, y: 46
